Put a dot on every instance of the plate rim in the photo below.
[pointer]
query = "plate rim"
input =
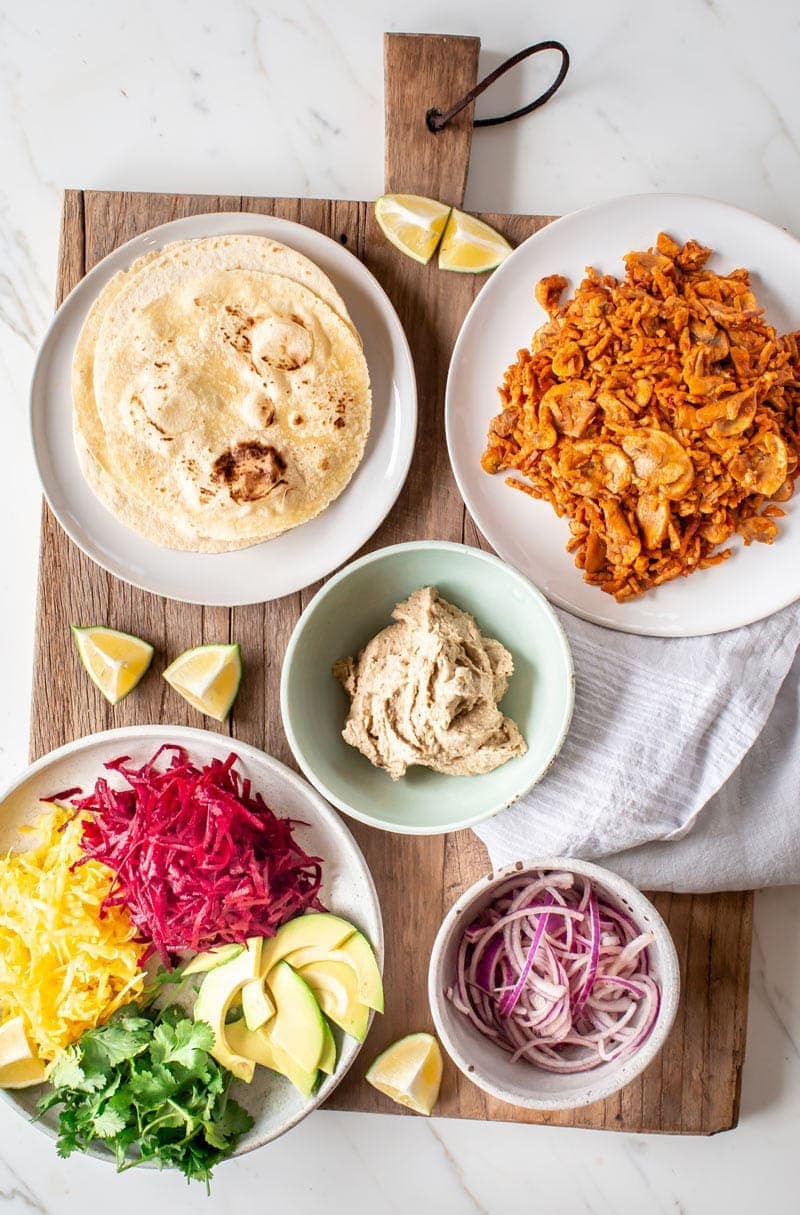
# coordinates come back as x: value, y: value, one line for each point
x: 173, y: 228
x: 639, y: 630
x: 493, y: 810
x: 188, y: 734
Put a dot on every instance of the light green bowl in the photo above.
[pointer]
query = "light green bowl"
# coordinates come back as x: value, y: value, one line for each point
x: 355, y: 605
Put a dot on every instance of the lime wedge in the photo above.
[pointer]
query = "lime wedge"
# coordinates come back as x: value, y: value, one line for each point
x: 23, y: 1074
x: 208, y: 677
x: 412, y: 223
x: 19, y: 1066
x: 410, y: 1072
x: 471, y: 246
x: 114, y: 661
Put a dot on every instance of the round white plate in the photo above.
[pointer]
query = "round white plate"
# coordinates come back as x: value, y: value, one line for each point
x: 348, y: 888
x: 304, y: 554
x: 755, y: 581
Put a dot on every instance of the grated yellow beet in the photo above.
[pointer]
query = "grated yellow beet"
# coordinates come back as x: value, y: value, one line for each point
x: 63, y: 968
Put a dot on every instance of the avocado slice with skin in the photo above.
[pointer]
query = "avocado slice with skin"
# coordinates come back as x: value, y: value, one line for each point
x: 254, y: 1044
x: 370, y: 983
x: 298, y: 1027
x: 211, y: 958
x: 335, y: 986
x: 357, y: 952
x: 318, y: 928
x: 218, y: 991
x: 256, y: 1004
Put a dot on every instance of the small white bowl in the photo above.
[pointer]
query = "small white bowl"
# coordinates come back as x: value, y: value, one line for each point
x: 521, y: 1083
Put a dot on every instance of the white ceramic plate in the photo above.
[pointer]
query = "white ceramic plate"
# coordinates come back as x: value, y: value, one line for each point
x: 304, y: 554
x: 755, y: 581
x: 348, y: 888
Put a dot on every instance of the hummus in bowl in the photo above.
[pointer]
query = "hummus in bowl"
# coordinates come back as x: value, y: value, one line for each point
x: 425, y: 691
x: 351, y: 610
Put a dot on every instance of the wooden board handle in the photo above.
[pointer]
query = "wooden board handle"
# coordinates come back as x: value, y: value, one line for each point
x: 422, y: 71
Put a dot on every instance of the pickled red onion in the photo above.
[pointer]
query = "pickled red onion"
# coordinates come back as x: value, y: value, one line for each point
x: 553, y: 972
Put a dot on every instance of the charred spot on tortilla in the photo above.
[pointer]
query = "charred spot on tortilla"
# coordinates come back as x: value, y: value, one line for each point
x: 250, y: 471
x: 267, y: 412
x: 284, y: 345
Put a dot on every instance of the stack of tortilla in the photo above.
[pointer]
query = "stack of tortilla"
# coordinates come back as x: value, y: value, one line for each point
x: 221, y: 395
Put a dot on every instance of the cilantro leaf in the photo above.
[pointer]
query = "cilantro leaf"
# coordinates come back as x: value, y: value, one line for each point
x: 150, y: 1088
x: 187, y: 1043
x: 68, y: 1072
x: 117, y: 1041
x: 146, y: 1085
x: 108, y: 1124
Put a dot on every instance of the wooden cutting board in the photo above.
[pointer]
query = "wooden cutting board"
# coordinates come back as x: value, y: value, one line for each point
x: 694, y: 1086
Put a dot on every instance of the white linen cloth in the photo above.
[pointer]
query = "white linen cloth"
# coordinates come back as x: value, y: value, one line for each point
x: 681, y: 769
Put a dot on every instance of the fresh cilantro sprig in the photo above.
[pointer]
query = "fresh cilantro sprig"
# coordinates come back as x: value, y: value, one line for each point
x: 146, y: 1086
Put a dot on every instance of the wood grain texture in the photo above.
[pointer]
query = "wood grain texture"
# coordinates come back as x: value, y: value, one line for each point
x: 422, y: 71
x: 693, y: 1087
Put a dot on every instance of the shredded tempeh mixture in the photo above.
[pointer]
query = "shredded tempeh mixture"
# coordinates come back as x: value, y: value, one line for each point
x: 660, y: 413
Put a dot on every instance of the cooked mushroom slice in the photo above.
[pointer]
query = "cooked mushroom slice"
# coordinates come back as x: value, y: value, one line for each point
x: 596, y: 468
x: 659, y: 461
x: 493, y: 459
x: 730, y: 415
x: 594, y: 555
x: 618, y: 409
x: 732, y: 318
x: 647, y: 262
x: 758, y: 528
x: 762, y: 467
x: 546, y: 436
x: 652, y: 515
x: 504, y: 423
x: 548, y: 291
x: 784, y: 492
x: 739, y: 411
x: 572, y: 407
x: 625, y: 544
x: 716, y: 530
x: 715, y: 340
x: 666, y: 245
x: 693, y: 256
x: 568, y: 361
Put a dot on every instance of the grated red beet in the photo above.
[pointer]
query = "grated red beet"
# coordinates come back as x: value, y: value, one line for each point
x: 199, y: 858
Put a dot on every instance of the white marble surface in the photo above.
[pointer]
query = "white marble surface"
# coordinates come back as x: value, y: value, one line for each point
x: 285, y: 98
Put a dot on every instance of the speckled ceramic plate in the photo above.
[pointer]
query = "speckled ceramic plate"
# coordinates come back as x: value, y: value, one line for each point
x: 355, y: 605
x: 347, y: 889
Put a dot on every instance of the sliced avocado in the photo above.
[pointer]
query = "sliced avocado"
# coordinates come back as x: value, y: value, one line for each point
x: 255, y: 1045
x: 370, y: 984
x: 211, y: 958
x: 357, y: 952
x: 335, y: 986
x: 327, y: 1061
x: 319, y: 928
x: 220, y: 987
x: 298, y: 1026
x: 256, y: 1004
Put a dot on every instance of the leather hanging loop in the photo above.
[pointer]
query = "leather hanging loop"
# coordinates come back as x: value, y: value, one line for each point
x: 437, y: 121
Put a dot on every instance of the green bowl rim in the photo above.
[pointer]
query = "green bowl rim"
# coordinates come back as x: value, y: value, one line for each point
x: 310, y: 609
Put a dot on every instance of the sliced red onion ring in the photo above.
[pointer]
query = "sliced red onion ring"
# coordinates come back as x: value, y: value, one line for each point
x: 557, y: 975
